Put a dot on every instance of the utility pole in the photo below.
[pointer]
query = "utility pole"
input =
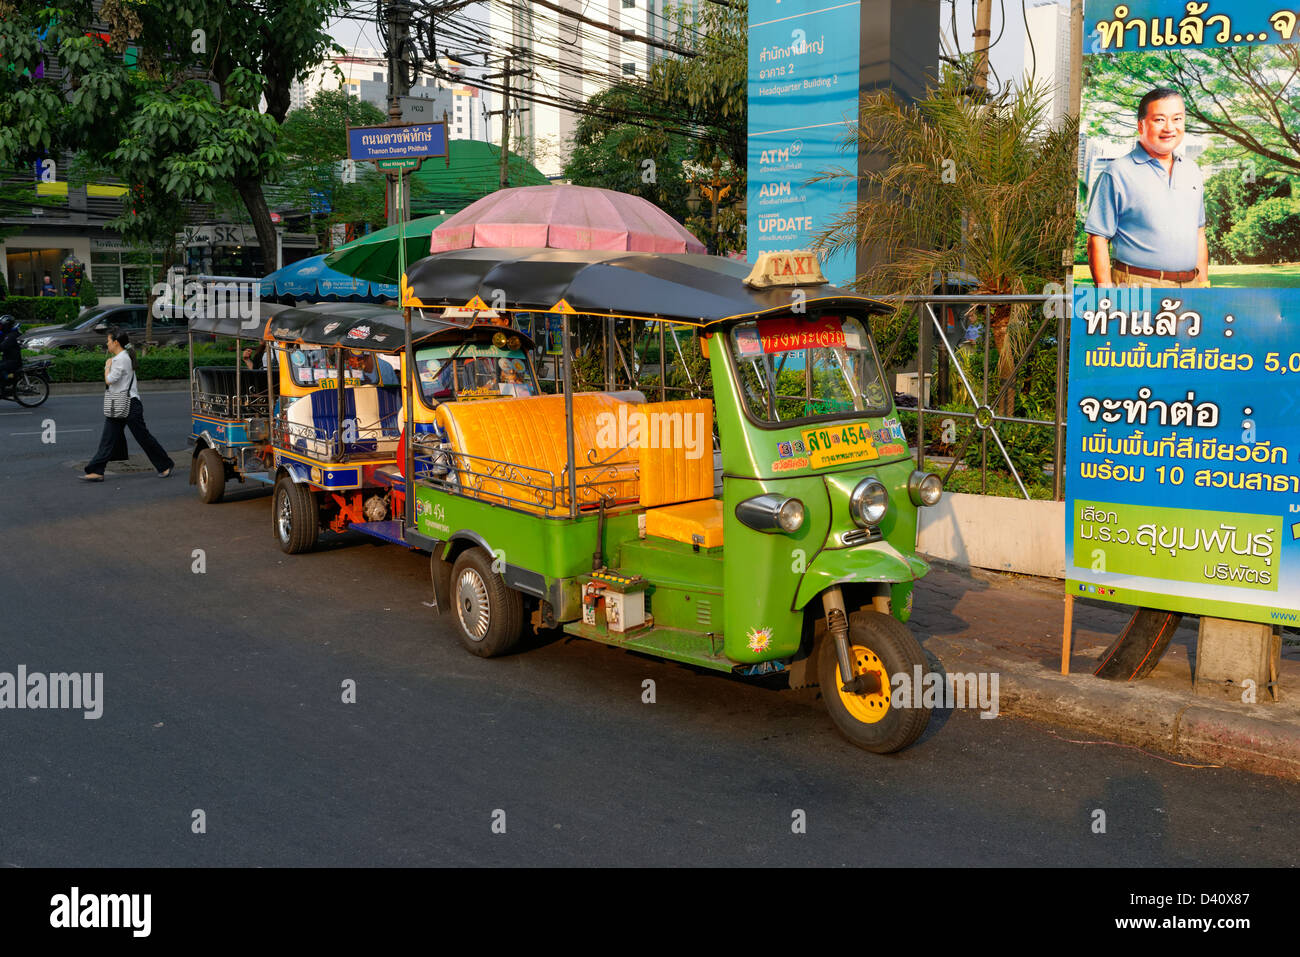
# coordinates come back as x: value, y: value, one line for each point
x: 506, y: 73
x: 505, y: 127
x: 983, y: 32
x: 398, y: 17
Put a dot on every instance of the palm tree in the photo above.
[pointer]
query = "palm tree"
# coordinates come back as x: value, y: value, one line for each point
x: 972, y: 183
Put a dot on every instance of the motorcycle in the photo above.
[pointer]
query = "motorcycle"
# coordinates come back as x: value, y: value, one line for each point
x: 31, y: 385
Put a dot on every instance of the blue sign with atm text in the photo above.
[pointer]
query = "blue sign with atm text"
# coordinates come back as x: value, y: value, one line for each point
x: 803, y: 95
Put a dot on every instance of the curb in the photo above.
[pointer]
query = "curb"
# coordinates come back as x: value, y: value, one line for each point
x: 1152, y: 718
x: 97, y: 388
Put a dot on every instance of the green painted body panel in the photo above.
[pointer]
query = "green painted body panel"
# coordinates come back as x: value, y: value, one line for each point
x: 689, y: 647
x: 778, y: 574
x: 686, y: 590
x: 553, y: 547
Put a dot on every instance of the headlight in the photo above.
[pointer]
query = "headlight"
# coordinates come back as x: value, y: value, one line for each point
x: 924, y: 488
x: 771, y: 513
x: 869, y: 502
x: 37, y: 343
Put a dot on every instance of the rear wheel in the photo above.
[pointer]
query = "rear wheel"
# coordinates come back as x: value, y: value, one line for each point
x: 211, y: 479
x: 489, y: 615
x: 30, y: 390
x: 879, y: 646
x: 295, y: 518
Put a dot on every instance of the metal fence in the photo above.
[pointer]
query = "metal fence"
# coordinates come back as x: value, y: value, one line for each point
x: 954, y: 363
x: 960, y: 373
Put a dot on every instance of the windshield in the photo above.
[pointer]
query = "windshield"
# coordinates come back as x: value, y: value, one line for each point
x: 473, y: 372
x: 797, y: 368
x: 88, y: 320
x: 315, y: 368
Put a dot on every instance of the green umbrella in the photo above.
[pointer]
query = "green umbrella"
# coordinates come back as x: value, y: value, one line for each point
x: 374, y: 256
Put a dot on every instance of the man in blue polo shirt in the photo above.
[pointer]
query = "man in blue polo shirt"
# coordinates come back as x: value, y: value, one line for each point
x: 1146, y: 221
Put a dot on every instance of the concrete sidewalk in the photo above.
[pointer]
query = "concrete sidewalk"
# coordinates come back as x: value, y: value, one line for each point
x: 975, y: 621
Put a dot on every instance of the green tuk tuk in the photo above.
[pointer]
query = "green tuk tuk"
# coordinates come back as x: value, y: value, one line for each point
x: 601, y: 513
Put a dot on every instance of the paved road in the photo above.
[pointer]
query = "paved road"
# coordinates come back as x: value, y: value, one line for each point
x: 222, y: 692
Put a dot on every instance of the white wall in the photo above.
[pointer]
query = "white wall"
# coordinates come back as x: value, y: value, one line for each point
x: 1003, y: 534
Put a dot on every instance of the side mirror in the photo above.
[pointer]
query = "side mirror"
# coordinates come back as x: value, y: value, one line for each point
x: 100, y: 327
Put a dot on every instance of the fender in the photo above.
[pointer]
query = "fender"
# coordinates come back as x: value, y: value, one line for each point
x: 876, y: 562
x: 297, y: 471
x: 441, y: 560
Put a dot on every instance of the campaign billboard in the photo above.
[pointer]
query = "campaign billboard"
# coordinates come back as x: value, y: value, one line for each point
x: 1181, y: 473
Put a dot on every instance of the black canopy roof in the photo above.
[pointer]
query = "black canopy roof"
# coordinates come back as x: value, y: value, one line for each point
x: 233, y: 326
x: 358, y: 326
x: 681, y: 287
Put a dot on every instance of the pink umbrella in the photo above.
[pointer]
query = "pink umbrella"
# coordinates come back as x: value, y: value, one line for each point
x: 564, y: 217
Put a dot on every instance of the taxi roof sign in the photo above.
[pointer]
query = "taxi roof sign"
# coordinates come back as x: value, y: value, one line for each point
x: 790, y: 267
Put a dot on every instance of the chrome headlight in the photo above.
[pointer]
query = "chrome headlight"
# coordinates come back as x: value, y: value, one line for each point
x: 37, y: 343
x: 771, y: 513
x: 869, y: 502
x: 924, y: 488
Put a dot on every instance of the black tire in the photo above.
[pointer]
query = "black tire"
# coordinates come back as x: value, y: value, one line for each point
x: 879, y: 643
x: 489, y: 615
x: 211, y: 478
x: 30, y: 390
x: 295, y: 517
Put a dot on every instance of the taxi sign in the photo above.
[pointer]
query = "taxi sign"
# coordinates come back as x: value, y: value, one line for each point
x: 786, y: 268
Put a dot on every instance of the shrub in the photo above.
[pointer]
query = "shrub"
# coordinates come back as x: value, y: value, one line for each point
x: 87, y: 365
x: 89, y: 298
x: 43, y: 310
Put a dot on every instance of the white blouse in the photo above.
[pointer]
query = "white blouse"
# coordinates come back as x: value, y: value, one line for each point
x: 120, y: 375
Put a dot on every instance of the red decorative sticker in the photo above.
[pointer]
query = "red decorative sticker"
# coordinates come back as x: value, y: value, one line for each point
x: 788, y: 335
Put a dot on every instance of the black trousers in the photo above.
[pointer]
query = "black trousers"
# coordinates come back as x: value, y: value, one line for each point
x: 112, y: 442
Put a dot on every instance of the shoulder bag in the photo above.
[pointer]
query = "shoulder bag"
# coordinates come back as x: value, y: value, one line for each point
x: 117, y: 405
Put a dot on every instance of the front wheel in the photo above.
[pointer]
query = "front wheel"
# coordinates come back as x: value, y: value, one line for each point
x: 211, y: 479
x: 490, y: 615
x: 31, y: 390
x: 880, y: 646
x: 295, y: 519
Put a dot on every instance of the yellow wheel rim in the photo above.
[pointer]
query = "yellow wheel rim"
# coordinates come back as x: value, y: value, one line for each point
x: 867, y: 708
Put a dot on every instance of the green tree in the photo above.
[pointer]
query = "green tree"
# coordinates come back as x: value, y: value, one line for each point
x: 1269, y: 232
x: 314, y: 143
x: 89, y: 297
x: 610, y: 152
x: 1247, y: 95
x: 185, y: 95
x: 689, y: 109
x: 1229, y: 195
x: 970, y: 186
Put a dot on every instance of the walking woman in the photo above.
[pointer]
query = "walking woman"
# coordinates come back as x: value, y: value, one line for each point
x: 119, y: 376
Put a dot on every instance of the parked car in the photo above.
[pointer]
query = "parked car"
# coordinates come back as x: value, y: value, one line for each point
x: 88, y: 329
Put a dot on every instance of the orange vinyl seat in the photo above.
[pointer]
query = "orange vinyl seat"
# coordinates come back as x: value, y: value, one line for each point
x: 518, y: 453
x: 675, y: 454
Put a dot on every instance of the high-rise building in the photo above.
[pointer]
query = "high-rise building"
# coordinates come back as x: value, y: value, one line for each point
x: 364, y: 74
x: 567, y: 56
x: 1047, y: 54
